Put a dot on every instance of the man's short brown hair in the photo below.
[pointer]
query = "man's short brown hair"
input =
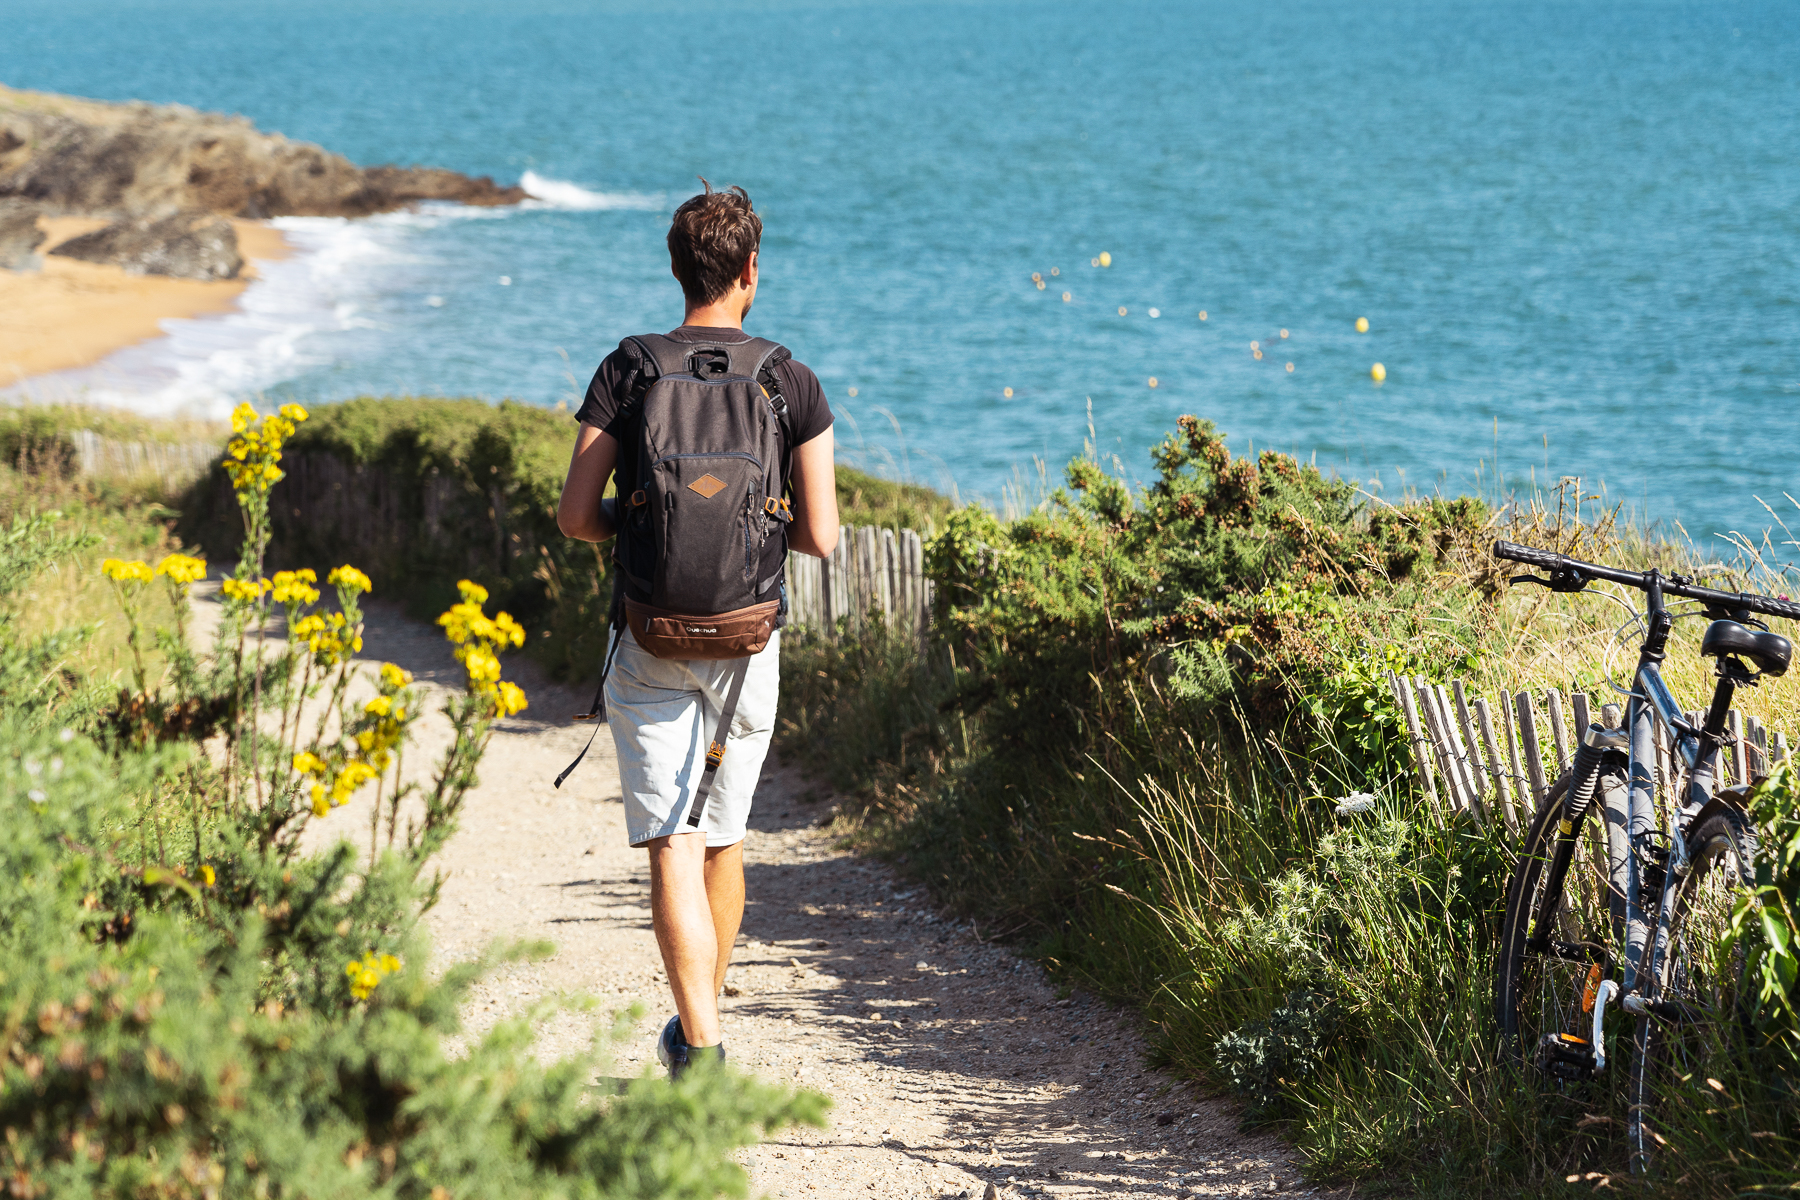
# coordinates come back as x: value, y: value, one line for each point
x: 710, y: 240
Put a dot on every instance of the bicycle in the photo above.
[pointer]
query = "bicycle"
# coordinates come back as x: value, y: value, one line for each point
x: 1631, y: 909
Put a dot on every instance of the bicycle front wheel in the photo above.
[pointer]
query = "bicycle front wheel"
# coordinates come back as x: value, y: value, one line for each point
x: 1701, y: 1010
x: 1547, y: 977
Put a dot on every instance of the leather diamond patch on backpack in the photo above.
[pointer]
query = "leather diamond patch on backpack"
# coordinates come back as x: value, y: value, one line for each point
x: 707, y: 485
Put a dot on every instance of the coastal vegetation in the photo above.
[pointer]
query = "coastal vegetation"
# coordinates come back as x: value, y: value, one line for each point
x: 200, y: 1004
x: 1123, y: 750
x: 1126, y: 753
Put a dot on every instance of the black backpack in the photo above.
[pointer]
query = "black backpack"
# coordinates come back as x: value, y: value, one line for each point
x: 700, y: 554
x: 702, y: 529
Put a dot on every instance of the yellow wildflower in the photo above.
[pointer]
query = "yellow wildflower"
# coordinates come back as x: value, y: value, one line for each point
x: 245, y: 590
x: 207, y: 876
x: 293, y: 412
x: 365, y: 975
x: 511, y: 698
x: 350, y: 579
x: 295, y: 587
x: 380, y: 706
x: 182, y: 569
x: 319, y: 806
x: 242, y: 417
x: 308, y: 763
x: 481, y: 665
x: 120, y: 571
x: 395, y: 677
x: 508, y: 630
x: 472, y: 593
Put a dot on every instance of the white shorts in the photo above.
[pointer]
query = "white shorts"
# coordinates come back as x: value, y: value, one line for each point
x: 663, y: 714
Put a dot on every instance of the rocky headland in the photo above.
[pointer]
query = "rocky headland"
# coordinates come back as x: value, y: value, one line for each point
x: 166, y: 177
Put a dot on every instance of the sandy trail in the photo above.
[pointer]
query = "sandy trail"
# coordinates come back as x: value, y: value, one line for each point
x: 952, y: 1064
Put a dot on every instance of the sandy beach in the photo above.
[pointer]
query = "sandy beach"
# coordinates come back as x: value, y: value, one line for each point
x: 71, y: 314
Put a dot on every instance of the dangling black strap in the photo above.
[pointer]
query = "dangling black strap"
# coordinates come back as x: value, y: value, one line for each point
x: 597, y: 710
x: 715, y: 753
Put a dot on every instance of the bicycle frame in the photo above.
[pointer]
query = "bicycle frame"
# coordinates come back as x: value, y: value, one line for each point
x: 1646, y: 940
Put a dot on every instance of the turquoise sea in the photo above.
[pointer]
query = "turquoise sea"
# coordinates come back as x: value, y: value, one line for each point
x: 1574, y: 227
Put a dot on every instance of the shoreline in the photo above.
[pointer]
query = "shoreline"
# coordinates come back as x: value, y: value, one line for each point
x: 68, y: 314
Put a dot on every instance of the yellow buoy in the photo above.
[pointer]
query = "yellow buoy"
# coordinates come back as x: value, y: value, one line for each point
x: 1105, y: 259
x: 1036, y: 278
x: 1121, y: 310
x: 1040, y: 285
x: 1378, y: 372
x: 1203, y: 314
x: 1153, y: 381
x: 1256, y: 354
x: 1067, y: 297
x: 852, y: 391
x: 1284, y: 333
x: 1007, y: 393
x: 1362, y: 324
x: 1290, y: 368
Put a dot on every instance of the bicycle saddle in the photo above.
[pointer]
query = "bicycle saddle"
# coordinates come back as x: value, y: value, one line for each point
x: 1769, y: 651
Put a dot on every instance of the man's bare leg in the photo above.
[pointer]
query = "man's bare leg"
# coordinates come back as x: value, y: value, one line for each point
x: 696, y: 906
x: 725, y: 896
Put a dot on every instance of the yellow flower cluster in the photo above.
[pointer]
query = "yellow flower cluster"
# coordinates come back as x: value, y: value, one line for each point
x: 326, y: 791
x: 479, y: 640
x: 180, y: 568
x: 294, y: 588
x: 395, y: 677
x: 120, y: 571
x: 244, y: 591
x: 348, y: 578
x: 370, y: 971
x: 251, y: 456
x: 327, y: 637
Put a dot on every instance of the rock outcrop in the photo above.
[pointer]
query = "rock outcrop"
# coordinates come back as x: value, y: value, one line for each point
x: 19, y: 235
x: 137, y: 164
x: 187, y: 246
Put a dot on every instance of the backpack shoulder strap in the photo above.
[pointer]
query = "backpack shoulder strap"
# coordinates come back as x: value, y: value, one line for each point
x: 655, y: 356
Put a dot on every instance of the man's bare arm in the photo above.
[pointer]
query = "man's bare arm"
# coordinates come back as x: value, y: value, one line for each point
x: 814, y: 479
x: 578, y: 513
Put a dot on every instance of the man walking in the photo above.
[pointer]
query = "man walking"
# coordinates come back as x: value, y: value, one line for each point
x: 687, y: 801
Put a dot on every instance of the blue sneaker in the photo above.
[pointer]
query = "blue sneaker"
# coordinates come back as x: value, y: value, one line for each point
x: 676, y: 1056
x: 672, y: 1047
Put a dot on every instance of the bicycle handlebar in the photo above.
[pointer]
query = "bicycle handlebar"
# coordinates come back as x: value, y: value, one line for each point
x: 1574, y: 570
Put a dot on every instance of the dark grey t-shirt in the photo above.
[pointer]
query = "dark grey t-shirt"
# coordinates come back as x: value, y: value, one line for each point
x: 808, y: 415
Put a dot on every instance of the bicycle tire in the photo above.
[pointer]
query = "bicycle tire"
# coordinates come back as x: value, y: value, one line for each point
x: 1722, y: 851
x: 1536, y: 994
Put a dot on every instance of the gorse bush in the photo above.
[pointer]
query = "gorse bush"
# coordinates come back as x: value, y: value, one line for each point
x: 197, y: 1006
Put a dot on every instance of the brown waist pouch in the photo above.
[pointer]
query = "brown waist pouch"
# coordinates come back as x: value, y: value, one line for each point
x: 736, y: 634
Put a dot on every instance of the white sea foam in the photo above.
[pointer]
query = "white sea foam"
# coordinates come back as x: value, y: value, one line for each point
x: 341, y: 270
x: 557, y: 193
x: 203, y: 366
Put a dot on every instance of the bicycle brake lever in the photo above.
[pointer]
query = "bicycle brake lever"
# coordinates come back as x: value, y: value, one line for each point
x: 1567, y: 582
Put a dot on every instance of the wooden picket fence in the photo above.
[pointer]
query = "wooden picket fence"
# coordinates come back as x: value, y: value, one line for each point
x: 1474, y: 757
x: 873, y: 570
x: 173, y: 464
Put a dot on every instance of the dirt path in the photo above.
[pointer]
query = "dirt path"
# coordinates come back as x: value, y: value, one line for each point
x: 952, y: 1064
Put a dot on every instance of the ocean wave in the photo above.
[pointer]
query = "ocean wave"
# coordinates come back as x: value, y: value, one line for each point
x: 204, y: 365
x: 572, y: 197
